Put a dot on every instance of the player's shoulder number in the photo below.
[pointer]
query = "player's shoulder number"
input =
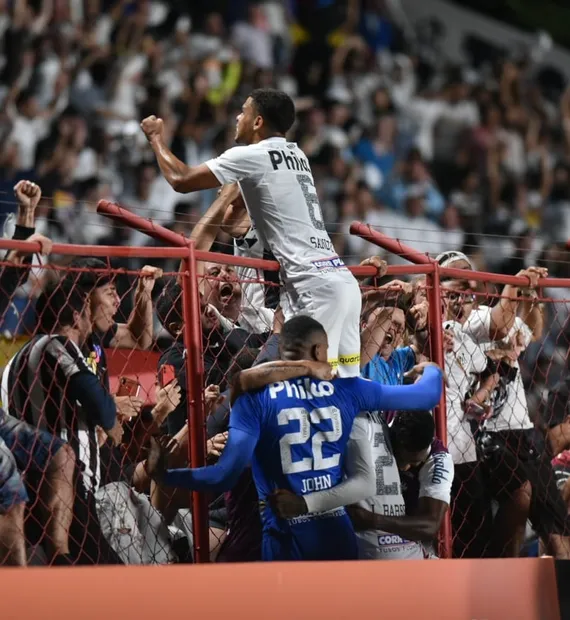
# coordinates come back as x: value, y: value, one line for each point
x: 316, y: 461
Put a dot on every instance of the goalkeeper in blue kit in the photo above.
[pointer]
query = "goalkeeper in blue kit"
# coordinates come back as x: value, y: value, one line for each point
x: 295, y: 433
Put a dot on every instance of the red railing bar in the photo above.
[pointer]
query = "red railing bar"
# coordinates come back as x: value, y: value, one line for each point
x: 195, y: 395
x: 497, y: 278
x: 366, y: 232
x: 120, y: 214
x: 105, y: 251
x: 147, y: 226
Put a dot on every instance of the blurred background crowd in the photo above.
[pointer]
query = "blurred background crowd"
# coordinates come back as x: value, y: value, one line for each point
x: 471, y: 156
x: 438, y: 154
x: 444, y: 155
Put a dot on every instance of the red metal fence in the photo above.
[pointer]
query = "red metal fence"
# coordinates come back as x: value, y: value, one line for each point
x: 202, y: 279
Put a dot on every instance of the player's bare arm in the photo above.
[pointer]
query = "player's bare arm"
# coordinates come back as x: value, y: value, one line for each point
x: 182, y: 178
x: 358, y: 485
x: 236, y: 222
x: 206, y: 230
x: 262, y: 375
x: 422, y: 526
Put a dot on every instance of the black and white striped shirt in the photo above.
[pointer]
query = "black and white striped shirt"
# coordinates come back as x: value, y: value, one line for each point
x: 36, y: 388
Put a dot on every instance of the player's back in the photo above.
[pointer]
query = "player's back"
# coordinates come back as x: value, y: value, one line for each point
x: 388, y: 500
x: 279, y: 190
x: 304, y: 433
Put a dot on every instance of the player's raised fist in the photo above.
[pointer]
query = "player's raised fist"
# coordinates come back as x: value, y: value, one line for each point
x: 153, y: 127
x: 28, y: 194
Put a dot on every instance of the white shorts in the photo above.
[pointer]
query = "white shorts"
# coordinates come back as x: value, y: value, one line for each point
x: 336, y: 304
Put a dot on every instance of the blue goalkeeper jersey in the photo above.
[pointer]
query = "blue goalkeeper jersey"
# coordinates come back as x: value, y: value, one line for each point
x: 295, y: 434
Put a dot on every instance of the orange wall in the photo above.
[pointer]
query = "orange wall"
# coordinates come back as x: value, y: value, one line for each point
x: 414, y: 590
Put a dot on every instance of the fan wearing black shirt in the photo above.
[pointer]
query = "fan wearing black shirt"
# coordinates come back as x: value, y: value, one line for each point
x: 137, y: 333
x: 49, y: 384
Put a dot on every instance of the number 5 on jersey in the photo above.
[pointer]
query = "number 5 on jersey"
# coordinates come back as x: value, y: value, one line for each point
x: 316, y: 461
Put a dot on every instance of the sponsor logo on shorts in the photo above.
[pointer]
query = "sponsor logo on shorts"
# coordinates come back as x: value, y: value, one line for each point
x: 329, y: 263
x: 391, y: 539
x: 349, y: 360
x: 312, y: 516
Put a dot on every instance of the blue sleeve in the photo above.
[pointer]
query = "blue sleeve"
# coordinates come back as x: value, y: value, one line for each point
x: 406, y: 358
x: 242, y: 439
x: 424, y: 394
x: 100, y: 406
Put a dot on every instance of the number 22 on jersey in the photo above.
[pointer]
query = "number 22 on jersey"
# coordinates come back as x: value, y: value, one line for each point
x: 316, y: 461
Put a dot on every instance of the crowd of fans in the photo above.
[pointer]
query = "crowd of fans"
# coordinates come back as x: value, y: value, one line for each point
x: 469, y: 164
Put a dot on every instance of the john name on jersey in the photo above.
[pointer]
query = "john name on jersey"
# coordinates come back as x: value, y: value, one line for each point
x: 307, y: 390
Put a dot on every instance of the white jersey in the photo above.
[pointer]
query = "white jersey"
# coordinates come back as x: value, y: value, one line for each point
x: 461, y: 367
x: 436, y: 475
x: 510, y: 409
x: 388, y: 501
x: 434, y: 480
x: 279, y: 192
x: 254, y: 317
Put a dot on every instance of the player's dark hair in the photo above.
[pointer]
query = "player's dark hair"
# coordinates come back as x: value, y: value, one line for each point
x: 275, y: 107
x: 169, y: 305
x: 299, y: 331
x: 57, y: 304
x: 94, y: 273
x: 412, y: 431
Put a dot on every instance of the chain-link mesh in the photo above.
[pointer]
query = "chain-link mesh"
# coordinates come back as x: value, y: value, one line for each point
x: 81, y: 397
x: 84, y: 500
x: 504, y: 494
x: 505, y: 360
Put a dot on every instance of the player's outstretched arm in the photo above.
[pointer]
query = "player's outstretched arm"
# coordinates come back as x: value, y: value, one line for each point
x: 424, y: 394
x: 422, y: 526
x: 360, y: 482
x: 265, y: 374
x: 182, y: 178
x: 220, y: 477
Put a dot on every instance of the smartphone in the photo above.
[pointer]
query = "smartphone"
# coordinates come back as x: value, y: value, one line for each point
x: 128, y: 387
x: 166, y: 375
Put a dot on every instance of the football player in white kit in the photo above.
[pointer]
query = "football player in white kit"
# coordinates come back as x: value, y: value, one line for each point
x: 279, y: 192
x: 384, y: 529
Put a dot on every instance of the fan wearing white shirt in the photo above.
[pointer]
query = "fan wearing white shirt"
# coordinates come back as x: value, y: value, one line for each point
x: 519, y: 473
x: 278, y: 189
x: 468, y: 371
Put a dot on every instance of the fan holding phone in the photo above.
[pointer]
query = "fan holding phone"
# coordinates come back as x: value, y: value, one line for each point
x: 127, y: 399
